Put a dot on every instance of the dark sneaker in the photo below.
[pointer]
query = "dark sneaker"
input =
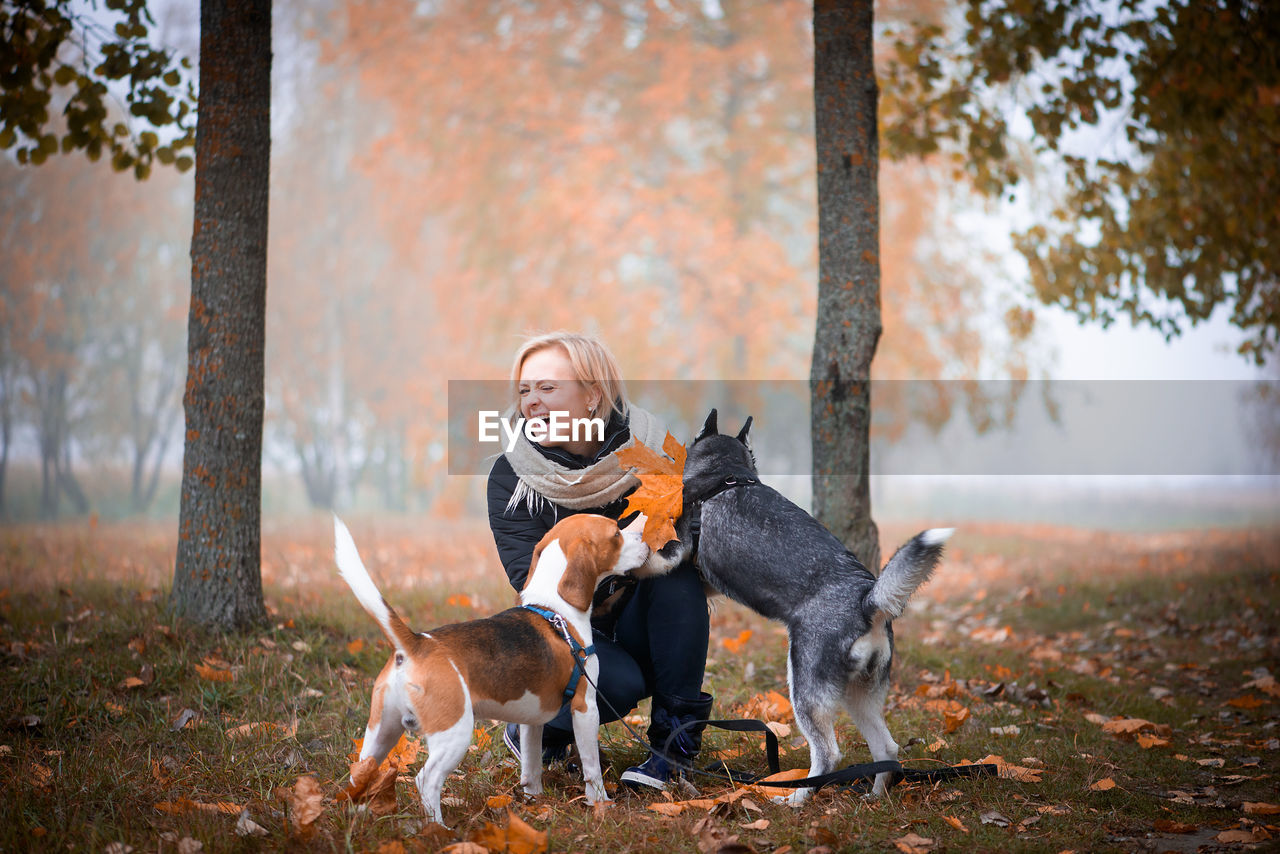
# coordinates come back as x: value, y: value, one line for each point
x: 654, y: 773
x: 550, y: 752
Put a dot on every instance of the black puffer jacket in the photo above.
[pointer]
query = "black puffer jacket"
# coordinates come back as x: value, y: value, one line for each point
x: 517, y: 531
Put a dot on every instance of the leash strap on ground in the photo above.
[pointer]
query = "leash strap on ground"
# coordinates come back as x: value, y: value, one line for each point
x: 851, y: 775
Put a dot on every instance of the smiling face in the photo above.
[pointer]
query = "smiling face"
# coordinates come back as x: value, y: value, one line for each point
x: 548, y: 384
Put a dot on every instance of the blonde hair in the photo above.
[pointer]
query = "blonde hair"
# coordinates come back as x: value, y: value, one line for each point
x: 593, y: 365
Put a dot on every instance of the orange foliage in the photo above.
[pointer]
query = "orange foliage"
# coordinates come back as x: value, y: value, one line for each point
x: 661, y: 488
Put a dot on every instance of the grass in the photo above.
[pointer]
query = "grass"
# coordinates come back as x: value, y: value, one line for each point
x: 1039, y: 634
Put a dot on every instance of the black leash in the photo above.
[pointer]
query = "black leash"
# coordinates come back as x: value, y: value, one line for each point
x: 849, y: 776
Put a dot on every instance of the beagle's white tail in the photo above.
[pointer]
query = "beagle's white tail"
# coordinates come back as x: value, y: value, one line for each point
x: 352, y: 570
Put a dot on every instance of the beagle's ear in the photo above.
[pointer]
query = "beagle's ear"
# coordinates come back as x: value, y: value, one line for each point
x: 708, y: 427
x: 578, y: 584
x: 742, y: 434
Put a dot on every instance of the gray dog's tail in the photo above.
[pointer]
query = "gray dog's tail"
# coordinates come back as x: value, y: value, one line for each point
x: 909, y: 567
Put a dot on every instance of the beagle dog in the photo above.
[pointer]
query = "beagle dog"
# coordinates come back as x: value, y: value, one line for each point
x: 519, y: 666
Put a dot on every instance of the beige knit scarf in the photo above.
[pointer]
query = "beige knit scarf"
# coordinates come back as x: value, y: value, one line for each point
x: 579, y: 489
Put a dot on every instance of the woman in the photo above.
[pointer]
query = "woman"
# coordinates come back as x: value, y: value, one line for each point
x: 650, y: 634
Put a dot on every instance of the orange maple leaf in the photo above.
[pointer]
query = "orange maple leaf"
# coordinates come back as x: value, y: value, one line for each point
x: 517, y: 837
x: 660, y: 495
x: 374, y: 784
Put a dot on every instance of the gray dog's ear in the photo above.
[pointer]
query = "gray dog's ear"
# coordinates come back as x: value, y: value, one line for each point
x: 742, y: 434
x: 708, y: 427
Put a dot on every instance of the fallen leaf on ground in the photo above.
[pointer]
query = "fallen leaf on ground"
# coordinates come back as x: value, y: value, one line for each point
x: 183, y: 806
x: 1261, y: 808
x: 734, y: 645
x: 913, y: 844
x: 214, y: 674
x: 355, y: 646
x: 246, y: 826
x: 770, y: 706
x: 666, y: 808
x: 497, y: 802
x: 183, y: 720
x: 1248, y: 701
x: 956, y: 823
x: 993, y: 817
x: 758, y: 824
x: 306, y: 802
x: 1266, y: 684
x: 1103, y: 785
x: 374, y: 784
x: 516, y: 838
x: 1165, y: 825
x: 1130, y: 727
x: 1149, y: 741
x: 780, y: 777
x: 1006, y: 770
x: 953, y: 720
x: 265, y: 727
x: 1245, y: 836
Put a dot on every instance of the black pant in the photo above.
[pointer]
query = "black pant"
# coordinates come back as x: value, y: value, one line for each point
x: 660, y: 647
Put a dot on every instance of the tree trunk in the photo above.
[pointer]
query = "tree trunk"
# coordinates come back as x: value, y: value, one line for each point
x: 848, y: 326
x: 217, y: 577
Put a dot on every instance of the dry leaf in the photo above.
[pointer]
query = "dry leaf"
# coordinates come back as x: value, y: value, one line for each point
x: 770, y: 706
x: 459, y: 600
x: 355, y: 646
x: 306, y: 802
x: 498, y: 802
x: 1266, y: 684
x: 1248, y: 701
x: 956, y: 823
x: 1149, y: 741
x: 913, y: 844
x: 661, y: 490
x: 214, y: 674
x: 1246, y: 836
x: 1167, y: 826
x: 759, y: 824
x: 734, y: 645
x: 373, y: 783
x: 666, y: 808
x: 1006, y: 770
x: 1130, y: 727
x: 1261, y: 808
x: 953, y: 720
x: 516, y: 838
x: 781, y: 730
x: 1103, y: 785
x: 185, y: 719
x: 264, y: 727
x: 780, y: 777
x: 246, y: 826
x: 464, y: 848
x: 182, y: 806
